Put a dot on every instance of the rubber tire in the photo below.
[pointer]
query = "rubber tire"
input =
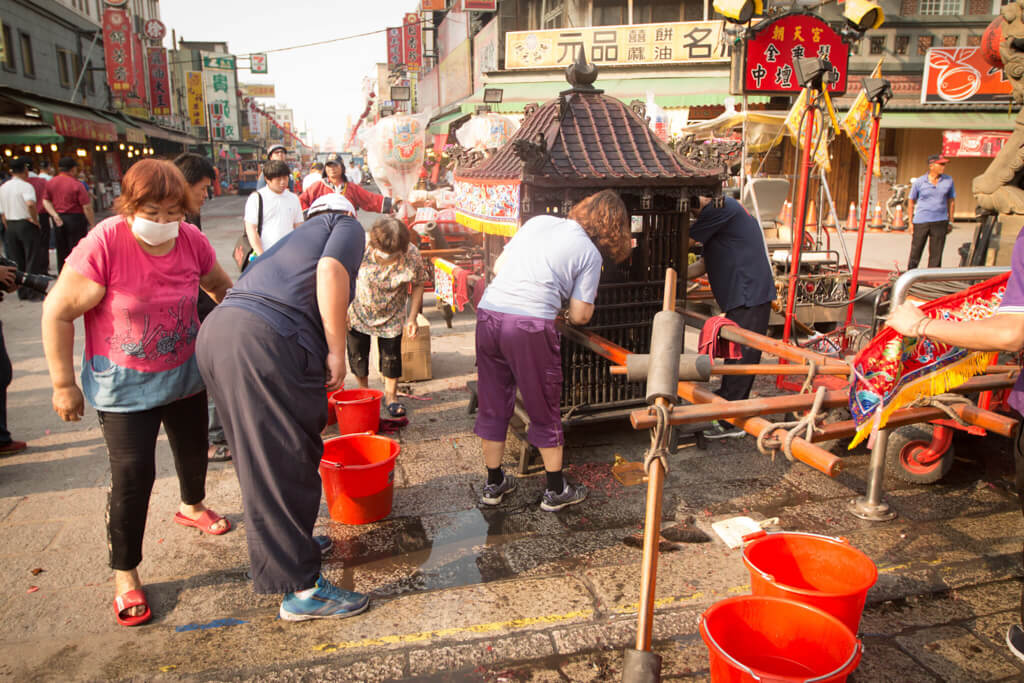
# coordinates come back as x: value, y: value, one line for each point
x: 913, y: 437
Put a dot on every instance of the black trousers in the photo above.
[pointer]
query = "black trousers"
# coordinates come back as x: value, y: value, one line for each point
x: 75, y: 227
x: 935, y: 234
x: 41, y: 263
x: 755, y: 319
x: 6, y: 375
x: 388, y: 348
x: 131, y: 445
x: 270, y: 396
x: 21, y: 240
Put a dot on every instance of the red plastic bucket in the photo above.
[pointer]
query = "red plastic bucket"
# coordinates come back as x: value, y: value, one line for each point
x: 358, y: 471
x: 358, y: 410
x: 822, y: 571
x: 758, y: 638
x: 332, y: 414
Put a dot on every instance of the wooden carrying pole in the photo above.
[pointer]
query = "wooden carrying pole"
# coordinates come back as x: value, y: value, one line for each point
x: 652, y: 515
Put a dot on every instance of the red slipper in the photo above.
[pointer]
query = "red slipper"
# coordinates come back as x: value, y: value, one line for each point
x: 204, y: 522
x: 125, y: 601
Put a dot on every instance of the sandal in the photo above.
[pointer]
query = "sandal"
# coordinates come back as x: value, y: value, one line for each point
x: 125, y: 601
x: 218, y: 453
x: 204, y: 522
x: 396, y: 409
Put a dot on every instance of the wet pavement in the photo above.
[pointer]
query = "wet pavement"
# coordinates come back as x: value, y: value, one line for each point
x: 461, y: 592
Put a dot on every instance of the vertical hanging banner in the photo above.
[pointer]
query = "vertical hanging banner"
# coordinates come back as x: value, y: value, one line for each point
x: 136, y: 103
x: 159, y: 83
x: 396, y: 53
x: 117, y: 49
x: 413, y: 41
x: 196, y: 103
x: 220, y: 90
x: 258, y: 63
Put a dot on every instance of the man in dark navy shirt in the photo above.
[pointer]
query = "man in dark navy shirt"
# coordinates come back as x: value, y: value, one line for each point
x: 736, y: 262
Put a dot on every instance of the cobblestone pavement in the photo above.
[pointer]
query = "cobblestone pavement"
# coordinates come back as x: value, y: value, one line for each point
x: 465, y: 593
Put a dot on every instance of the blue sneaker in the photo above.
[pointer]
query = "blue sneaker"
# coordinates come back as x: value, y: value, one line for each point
x: 572, y: 494
x: 493, y: 493
x: 328, y: 601
x: 325, y: 544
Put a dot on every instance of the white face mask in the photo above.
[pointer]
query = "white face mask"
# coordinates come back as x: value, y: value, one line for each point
x: 384, y: 256
x: 152, y: 233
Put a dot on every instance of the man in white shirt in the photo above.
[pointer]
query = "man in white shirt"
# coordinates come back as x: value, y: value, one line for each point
x: 281, y: 209
x: 353, y: 174
x: 316, y: 173
x: 21, y: 222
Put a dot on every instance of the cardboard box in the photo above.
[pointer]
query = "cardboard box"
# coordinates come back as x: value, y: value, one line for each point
x: 416, y: 353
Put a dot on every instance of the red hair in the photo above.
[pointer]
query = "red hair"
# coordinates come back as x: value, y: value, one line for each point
x: 151, y: 180
x: 604, y: 217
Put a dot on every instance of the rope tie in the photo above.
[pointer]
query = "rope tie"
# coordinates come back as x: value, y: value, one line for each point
x: 659, y: 441
x: 942, y: 402
x: 807, y: 424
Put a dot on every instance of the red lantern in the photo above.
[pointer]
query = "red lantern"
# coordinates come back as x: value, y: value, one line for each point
x: 990, y: 41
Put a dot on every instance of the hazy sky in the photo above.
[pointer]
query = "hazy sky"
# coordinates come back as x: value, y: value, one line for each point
x: 322, y: 84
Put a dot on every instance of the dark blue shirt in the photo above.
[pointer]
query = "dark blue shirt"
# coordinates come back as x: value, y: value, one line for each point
x: 735, y: 255
x: 280, y: 286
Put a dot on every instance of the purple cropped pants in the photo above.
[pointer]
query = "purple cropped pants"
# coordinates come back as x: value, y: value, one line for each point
x: 518, y: 351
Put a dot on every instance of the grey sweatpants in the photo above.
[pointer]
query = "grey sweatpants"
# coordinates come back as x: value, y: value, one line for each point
x: 270, y: 395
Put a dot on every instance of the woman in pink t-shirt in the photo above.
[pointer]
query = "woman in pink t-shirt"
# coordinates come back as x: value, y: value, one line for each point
x: 135, y: 277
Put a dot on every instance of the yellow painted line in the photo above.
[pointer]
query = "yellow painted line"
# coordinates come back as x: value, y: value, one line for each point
x: 679, y: 599
x: 511, y: 624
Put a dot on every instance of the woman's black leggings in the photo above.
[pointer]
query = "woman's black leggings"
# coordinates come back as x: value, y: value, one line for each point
x: 131, y: 445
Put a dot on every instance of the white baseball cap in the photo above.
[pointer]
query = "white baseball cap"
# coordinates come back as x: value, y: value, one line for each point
x: 330, y: 202
x: 271, y: 149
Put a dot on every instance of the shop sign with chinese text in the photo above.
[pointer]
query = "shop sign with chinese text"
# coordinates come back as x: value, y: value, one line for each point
x: 219, y: 87
x: 117, y: 49
x: 159, y: 82
x: 258, y: 89
x: 672, y: 43
x: 196, y: 104
x: 85, y: 129
x: 413, y: 41
x: 961, y: 74
x: 396, y: 53
x: 258, y: 63
x: 772, y: 48
x: 480, y: 5
x: 973, y: 143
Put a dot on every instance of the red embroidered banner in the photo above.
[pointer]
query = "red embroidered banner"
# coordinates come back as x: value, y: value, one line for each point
x: 413, y: 41
x: 117, y: 49
x: 396, y: 53
x: 159, y: 83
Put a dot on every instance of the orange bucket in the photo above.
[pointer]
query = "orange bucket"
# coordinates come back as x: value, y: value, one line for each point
x: 822, y: 571
x: 358, y: 410
x: 358, y: 472
x: 758, y: 638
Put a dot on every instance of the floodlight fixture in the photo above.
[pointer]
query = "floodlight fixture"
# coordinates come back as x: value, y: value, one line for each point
x: 739, y: 11
x: 401, y: 93
x: 810, y: 70
x: 493, y: 95
x: 863, y: 14
x: 877, y: 90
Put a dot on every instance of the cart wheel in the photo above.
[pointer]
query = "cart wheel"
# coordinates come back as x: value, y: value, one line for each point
x: 903, y: 456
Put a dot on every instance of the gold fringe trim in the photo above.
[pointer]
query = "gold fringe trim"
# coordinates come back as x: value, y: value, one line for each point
x: 932, y: 385
x: 485, y: 226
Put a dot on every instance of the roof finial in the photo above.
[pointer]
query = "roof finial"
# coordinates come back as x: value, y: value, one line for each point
x: 579, y: 74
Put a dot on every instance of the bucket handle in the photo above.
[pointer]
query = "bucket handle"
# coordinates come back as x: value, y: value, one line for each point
x: 339, y: 466
x: 740, y: 665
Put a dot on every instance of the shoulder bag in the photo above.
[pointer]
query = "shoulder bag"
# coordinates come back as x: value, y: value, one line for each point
x: 243, y: 249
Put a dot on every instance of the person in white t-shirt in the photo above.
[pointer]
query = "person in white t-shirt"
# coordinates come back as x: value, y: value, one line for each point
x: 353, y: 173
x: 281, y: 210
x: 316, y: 173
x: 20, y: 216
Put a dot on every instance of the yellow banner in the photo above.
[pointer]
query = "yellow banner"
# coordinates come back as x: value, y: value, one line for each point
x: 257, y: 89
x: 670, y: 43
x: 857, y: 124
x: 196, y: 107
x: 820, y: 150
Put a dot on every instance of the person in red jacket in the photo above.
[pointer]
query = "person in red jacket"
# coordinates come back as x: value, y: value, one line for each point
x: 334, y: 181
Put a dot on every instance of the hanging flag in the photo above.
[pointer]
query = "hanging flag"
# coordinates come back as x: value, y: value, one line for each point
x: 196, y: 105
x: 396, y: 45
x: 159, y: 84
x: 413, y: 41
x: 857, y: 123
x: 796, y: 136
x: 117, y: 48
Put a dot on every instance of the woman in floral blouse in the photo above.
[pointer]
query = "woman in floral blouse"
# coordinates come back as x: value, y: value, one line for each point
x: 390, y: 265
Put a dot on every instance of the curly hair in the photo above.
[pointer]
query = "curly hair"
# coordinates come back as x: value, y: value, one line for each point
x: 390, y: 236
x: 604, y: 217
x: 152, y: 180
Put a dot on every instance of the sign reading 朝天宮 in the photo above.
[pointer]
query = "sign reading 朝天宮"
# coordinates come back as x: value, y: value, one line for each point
x: 674, y: 43
x: 772, y: 48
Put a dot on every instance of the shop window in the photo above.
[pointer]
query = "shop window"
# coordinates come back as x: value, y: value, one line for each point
x: 973, y: 41
x: 979, y: 7
x: 923, y: 43
x: 902, y: 45
x: 908, y: 7
x: 693, y: 10
x: 609, y: 13
x: 877, y: 45
x: 28, y: 63
x: 950, y: 40
x: 552, y: 14
x: 941, y: 7
x: 8, y: 62
x: 661, y: 11
x: 64, y: 67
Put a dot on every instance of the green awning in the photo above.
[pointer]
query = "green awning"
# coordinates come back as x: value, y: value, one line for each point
x: 948, y: 120
x: 29, y: 135
x: 71, y: 120
x: 129, y: 132
x: 439, y: 125
x: 695, y: 91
